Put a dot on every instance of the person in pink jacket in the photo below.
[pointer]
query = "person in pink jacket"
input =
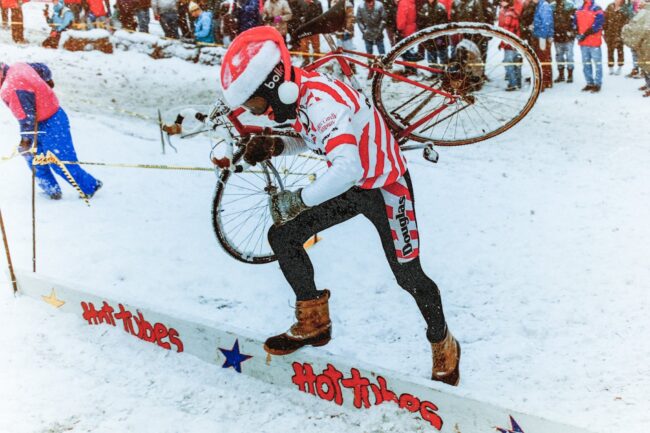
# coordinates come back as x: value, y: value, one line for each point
x: 27, y: 89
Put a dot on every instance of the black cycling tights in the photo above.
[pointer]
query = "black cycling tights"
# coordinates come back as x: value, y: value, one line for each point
x: 287, y: 242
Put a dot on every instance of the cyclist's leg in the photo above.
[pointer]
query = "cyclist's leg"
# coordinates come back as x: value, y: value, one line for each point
x: 288, y: 239
x: 392, y: 212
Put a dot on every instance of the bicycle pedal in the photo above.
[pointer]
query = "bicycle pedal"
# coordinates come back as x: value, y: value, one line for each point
x: 430, y: 154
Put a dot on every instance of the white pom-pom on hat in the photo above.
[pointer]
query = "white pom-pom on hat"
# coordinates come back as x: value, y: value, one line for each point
x: 288, y: 92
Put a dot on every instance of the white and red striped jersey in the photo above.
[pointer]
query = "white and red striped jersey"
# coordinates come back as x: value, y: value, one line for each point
x: 337, y: 121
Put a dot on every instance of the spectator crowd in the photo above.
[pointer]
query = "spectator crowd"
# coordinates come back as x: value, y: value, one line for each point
x: 559, y: 24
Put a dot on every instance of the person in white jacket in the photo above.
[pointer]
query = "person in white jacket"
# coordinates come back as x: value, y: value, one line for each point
x: 367, y: 176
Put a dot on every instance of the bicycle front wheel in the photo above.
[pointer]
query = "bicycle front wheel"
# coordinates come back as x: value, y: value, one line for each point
x: 241, y: 216
x: 483, y: 79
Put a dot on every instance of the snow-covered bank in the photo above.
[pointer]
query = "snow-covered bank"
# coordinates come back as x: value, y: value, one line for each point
x: 535, y: 238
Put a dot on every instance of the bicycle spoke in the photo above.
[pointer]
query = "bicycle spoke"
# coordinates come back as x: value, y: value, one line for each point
x: 240, y: 213
x: 482, y: 109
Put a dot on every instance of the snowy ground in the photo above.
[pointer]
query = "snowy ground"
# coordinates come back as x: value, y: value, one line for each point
x: 535, y: 238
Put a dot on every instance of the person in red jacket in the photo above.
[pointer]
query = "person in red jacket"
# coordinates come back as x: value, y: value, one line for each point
x: 509, y: 20
x: 589, y: 20
x: 97, y: 13
x: 15, y: 17
x: 406, y: 26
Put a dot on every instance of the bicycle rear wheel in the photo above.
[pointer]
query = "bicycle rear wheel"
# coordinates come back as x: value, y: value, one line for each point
x: 240, y: 213
x: 465, y: 107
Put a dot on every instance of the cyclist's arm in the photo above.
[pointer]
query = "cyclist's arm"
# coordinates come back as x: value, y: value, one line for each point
x: 333, y: 128
x: 293, y: 146
x: 344, y: 173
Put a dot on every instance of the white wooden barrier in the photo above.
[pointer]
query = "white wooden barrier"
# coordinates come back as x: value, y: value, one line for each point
x: 327, y: 377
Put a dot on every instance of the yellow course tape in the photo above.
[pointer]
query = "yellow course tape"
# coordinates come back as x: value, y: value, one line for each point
x: 50, y: 158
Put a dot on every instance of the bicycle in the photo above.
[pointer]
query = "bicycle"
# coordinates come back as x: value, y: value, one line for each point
x: 444, y: 105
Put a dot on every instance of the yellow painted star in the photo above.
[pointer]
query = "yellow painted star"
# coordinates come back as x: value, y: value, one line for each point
x: 53, y: 300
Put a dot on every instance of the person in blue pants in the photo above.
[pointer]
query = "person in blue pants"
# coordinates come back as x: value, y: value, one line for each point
x: 26, y: 88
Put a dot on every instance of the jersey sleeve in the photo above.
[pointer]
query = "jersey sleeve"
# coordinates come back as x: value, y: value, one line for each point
x: 293, y: 146
x: 22, y: 103
x: 331, y: 124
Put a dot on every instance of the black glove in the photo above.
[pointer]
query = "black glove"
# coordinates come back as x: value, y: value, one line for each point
x: 259, y: 148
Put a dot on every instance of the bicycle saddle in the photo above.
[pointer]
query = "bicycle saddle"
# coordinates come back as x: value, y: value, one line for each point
x: 331, y: 21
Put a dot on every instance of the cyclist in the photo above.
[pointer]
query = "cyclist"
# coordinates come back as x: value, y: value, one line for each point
x: 367, y: 175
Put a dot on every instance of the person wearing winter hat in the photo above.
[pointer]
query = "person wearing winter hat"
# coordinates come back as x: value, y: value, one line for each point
x: 367, y: 176
x: 277, y: 13
x: 203, y: 31
x: 28, y: 90
x: 589, y: 19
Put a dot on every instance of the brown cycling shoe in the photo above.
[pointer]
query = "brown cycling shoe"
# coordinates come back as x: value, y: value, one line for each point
x: 446, y: 360
x: 313, y: 327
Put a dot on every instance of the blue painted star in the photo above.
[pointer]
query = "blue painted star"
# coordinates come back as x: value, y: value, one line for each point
x: 515, y: 427
x: 234, y: 357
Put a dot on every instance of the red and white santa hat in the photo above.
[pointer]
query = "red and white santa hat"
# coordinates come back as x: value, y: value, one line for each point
x: 251, y: 57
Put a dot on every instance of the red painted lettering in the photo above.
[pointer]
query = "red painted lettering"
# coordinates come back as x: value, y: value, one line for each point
x: 89, y: 313
x: 335, y: 376
x: 125, y: 317
x: 145, y: 331
x: 382, y: 393
x: 304, y: 377
x: 327, y: 386
x: 359, y: 386
x: 160, y: 333
x: 427, y: 411
x: 153, y: 334
x: 105, y: 315
x: 408, y: 402
x: 175, y: 340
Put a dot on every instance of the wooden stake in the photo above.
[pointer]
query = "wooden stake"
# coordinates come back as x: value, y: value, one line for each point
x: 33, y: 218
x: 6, y: 242
x: 33, y: 150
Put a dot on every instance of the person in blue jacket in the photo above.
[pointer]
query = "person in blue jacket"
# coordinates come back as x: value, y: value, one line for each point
x: 27, y: 89
x: 203, y: 31
x: 543, y: 30
x: 61, y: 20
x: 249, y: 14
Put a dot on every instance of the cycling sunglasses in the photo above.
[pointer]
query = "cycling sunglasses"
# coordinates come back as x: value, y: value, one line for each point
x: 257, y: 105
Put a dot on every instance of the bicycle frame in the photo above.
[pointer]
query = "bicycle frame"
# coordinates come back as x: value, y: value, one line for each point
x: 341, y: 56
